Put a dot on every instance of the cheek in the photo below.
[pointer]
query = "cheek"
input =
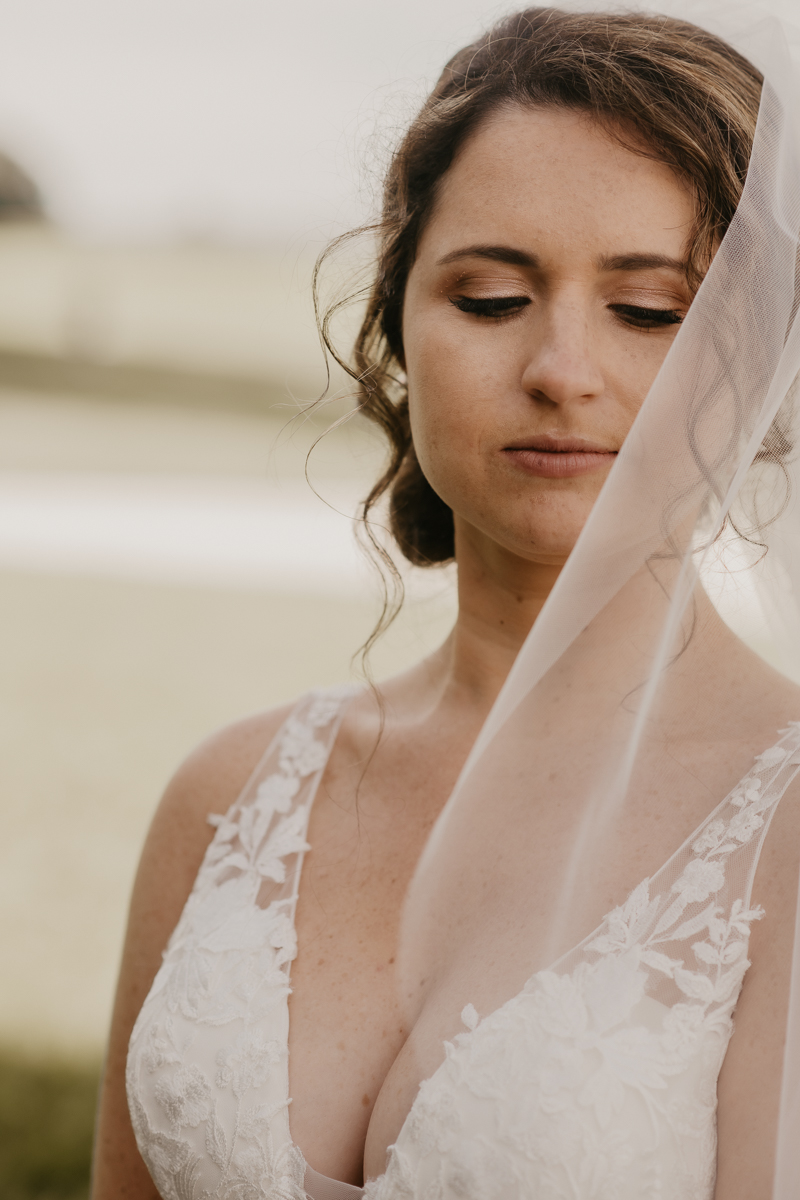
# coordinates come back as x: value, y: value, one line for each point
x: 462, y: 381
x: 630, y: 372
x: 447, y: 408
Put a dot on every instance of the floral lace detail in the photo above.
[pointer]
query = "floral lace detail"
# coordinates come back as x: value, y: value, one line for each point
x: 598, y: 1081
x: 207, y: 1070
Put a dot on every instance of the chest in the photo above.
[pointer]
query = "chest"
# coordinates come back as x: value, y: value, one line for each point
x: 347, y: 1022
x: 207, y: 1072
x: 349, y: 1026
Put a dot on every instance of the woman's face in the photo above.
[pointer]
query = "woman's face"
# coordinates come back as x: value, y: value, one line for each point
x: 548, y: 287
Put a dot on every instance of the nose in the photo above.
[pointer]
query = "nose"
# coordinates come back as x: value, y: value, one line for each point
x: 562, y: 365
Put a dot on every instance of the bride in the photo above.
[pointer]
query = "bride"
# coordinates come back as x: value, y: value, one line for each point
x: 544, y: 866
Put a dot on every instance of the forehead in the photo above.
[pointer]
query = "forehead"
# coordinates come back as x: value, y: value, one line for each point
x: 558, y: 177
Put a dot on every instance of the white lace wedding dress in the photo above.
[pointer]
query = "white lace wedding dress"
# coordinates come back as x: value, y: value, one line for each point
x: 597, y: 1082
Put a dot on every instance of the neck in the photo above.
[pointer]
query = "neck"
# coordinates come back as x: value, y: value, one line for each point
x: 500, y: 595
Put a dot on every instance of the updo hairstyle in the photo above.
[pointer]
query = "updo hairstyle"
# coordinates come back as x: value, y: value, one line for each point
x: 661, y: 86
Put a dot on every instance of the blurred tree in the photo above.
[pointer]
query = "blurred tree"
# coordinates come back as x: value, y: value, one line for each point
x: 19, y: 195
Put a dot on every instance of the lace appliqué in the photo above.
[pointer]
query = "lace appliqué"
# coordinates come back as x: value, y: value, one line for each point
x: 207, y: 1069
x: 598, y: 1081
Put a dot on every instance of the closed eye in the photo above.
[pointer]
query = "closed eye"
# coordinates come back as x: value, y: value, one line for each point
x: 490, y: 306
x: 646, y: 318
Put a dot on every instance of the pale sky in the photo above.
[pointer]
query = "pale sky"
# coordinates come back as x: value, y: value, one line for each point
x: 242, y: 119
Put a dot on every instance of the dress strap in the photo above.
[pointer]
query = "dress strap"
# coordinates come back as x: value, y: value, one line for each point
x: 262, y: 836
x: 312, y: 712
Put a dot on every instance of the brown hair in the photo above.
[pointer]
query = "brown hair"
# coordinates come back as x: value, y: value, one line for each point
x: 682, y: 92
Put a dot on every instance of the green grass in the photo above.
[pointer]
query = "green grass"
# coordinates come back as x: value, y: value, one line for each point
x: 46, y: 1120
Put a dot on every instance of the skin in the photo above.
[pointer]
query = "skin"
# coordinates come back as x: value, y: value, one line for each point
x: 567, y: 355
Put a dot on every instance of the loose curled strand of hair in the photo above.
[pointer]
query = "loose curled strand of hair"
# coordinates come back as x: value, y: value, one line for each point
x: 664, y: 88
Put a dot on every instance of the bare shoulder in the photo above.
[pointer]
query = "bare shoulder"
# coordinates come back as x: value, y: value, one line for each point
x: 209, y: 781
x: 749, y: 1082
x: 758, y: 691
x: 211, y: 778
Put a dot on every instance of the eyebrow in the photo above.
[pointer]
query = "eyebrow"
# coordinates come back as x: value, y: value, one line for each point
x: 504, y: 254
x: 521, y: 258
x: 642, y: 262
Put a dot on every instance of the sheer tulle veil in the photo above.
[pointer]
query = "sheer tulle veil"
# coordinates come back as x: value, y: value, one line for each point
x: 693, y: 545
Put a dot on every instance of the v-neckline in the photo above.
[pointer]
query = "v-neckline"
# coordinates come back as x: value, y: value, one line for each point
x: 792, y: 727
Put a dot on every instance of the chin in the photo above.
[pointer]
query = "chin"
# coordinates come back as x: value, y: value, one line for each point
x: 552, y: 551
x: 550, y: 541
x: 543, y: 529
x: 536, y: 544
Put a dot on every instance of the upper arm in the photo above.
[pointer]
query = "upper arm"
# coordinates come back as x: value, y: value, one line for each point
x: 208, y: 782
x: 750, y: 1079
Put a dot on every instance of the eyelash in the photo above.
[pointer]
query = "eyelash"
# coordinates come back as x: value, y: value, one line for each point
x: 497, y: 307
x: 646, y: 318
x: 492, y: 306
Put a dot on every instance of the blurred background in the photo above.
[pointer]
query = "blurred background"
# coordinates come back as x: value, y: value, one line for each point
x: 170, y: 171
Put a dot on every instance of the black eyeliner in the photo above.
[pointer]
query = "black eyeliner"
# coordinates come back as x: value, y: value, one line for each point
x: 649, y: 316
x: 492, y: 306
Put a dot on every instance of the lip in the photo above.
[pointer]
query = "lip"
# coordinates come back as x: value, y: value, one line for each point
x: 551, y: 457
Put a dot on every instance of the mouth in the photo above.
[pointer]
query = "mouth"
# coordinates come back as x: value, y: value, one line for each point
x: 550, y: 457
